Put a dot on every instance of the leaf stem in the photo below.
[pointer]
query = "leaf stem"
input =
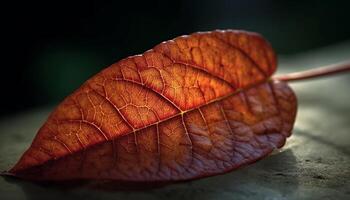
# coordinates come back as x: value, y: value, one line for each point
x: 315, y: 73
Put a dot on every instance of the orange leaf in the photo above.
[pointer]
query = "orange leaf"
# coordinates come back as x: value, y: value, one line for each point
x: 191, y: 107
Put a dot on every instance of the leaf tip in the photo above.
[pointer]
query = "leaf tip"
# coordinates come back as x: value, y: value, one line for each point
x: 7, y: 173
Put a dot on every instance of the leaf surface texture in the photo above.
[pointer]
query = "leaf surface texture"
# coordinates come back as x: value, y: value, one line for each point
x: 191, y: 107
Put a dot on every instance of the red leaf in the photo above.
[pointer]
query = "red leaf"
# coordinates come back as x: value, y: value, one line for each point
x: 191, y: 107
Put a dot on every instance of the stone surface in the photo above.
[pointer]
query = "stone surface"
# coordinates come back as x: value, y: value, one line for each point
x: 314, y: 163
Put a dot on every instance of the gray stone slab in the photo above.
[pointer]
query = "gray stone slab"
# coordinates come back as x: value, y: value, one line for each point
x: 314, y: 163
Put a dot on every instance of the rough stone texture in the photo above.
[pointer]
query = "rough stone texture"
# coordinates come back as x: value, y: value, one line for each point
x: 314, y: 163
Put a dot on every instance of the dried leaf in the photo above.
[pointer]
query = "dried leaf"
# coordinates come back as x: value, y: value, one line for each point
x: 191, y: 107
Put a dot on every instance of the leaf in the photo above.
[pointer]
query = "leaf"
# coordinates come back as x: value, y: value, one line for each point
x: 191, y: 107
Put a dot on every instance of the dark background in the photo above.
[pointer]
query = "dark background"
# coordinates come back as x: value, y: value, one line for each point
x: 50, y: 48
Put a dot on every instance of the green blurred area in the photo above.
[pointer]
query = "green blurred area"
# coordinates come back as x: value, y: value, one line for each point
x: 60, y: 70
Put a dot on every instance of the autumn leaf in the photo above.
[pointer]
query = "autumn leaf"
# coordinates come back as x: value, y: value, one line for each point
x: 192, y: 107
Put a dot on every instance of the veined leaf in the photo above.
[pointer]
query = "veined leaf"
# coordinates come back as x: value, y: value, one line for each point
x: 192, y: 107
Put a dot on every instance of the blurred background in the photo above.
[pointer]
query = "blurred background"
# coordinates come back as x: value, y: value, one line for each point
x: 50, y: 48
